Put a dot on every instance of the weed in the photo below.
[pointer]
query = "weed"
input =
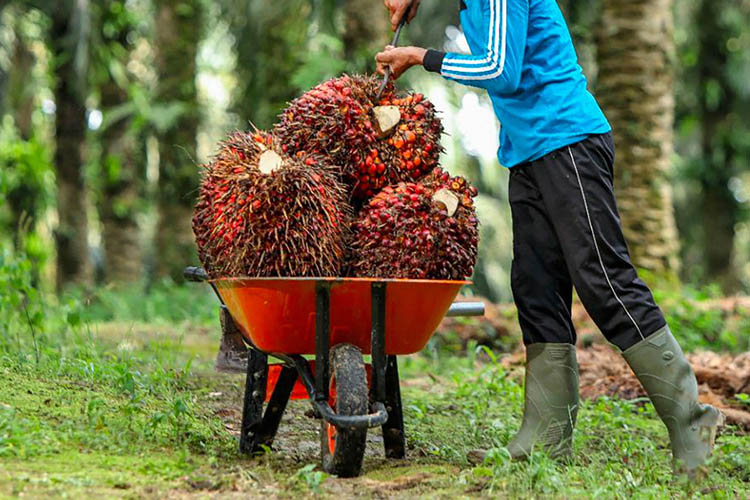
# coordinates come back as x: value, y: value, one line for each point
x: 309, y: 478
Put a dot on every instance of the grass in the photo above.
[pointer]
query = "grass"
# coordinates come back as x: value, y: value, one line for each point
x: 150, y: 427
x: 107, y: 396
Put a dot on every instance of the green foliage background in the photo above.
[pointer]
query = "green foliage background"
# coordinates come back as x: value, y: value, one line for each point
x: 254, y: 56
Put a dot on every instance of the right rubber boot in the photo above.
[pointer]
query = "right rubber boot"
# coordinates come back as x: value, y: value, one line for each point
x: 232, y: 356
x: 551, y: 402
x: 669, y: 380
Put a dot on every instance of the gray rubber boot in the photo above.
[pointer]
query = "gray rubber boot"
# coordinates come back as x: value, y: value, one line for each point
x: 551, y: 402
x: 232, y: 356
x: 660, y: 365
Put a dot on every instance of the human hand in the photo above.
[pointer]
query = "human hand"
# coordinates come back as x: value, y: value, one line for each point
x: 397, y: 9
x: 399, y: 59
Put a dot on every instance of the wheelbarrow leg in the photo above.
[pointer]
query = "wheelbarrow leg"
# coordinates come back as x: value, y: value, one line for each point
x: 255, y: 395
x: 385, y: 385
x: 379, y: 359
x: 322, y: 340
x: 394, y: 437
x: 275, y: 409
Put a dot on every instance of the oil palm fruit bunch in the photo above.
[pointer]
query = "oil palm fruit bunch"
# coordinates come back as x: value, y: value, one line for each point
x: 418, y: 230
x: 263, y: 213
x: 376, y: 142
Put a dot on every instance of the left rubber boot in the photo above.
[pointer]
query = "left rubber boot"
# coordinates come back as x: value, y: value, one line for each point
x: 669, y: 380
x: 551, y: 402
x: 232, y: 356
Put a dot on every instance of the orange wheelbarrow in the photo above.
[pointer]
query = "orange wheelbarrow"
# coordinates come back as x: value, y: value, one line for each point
x: 339, y: 320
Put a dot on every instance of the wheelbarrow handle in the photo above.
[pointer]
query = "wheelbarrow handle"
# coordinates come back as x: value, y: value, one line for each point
x: 466, y: 309
x: 195, y: 274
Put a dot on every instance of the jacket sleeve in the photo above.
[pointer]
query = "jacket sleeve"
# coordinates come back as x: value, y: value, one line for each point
x: 498, y: 68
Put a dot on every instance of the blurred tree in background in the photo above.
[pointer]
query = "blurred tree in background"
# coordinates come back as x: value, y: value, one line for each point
x: 366, y: 32
x: 25, y: 161
x: 19, y: 95
x: 713, y: 99
x: 69, y: 47
x: 109, y: 106
x: 269, y: 39
x: 635, y: 47
x: 121, y: 176
x: 177, y: 34
x: 583, y: 17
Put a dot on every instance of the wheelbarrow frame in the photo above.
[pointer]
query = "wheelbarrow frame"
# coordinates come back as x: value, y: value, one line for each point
x: 259, y: 428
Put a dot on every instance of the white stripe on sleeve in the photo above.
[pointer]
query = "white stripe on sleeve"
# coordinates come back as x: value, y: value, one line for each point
x: 491, y: 30
x: 456, y: 72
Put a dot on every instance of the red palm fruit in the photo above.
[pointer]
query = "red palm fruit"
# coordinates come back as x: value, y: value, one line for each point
x: 342, y: 119
x: 262, y: 213
x: 416, y: 230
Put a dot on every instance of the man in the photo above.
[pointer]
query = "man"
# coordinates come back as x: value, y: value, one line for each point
x: 566, y: 229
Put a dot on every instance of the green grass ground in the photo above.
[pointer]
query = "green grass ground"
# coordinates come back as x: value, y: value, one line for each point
x: 133, y: 409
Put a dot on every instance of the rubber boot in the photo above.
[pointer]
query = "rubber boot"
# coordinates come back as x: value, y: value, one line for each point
x: 551, y: 402
x: 660, y: 365
x: 232, y: 356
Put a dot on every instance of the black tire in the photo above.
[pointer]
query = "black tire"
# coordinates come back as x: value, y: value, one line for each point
x: 344, y: 449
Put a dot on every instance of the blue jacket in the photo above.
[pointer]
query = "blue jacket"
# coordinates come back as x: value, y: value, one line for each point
x: 523, y: 56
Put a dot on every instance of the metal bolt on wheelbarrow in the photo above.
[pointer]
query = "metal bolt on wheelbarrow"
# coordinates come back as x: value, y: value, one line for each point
x: 339, y: 320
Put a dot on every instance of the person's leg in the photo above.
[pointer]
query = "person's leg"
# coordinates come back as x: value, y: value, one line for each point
x: 542, y: 290
x: 576, y: 184
x: 542, y: 287
x: 577, y: 187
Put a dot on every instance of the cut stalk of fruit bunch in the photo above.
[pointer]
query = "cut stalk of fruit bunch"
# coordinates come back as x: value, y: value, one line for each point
x: 263, y: 213
x: 426, y: 230
x: 386, y: 117
x: 376, y: 142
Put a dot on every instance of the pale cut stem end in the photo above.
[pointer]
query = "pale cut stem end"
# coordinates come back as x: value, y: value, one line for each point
x: 269, y: 162
x: 447, y: 199
x: 387, y: 117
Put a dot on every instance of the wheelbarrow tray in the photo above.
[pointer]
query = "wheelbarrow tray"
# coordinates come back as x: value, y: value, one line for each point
x: 277, y: 315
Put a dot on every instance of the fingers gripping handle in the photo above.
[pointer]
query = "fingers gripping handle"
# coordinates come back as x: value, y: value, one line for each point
x: 394, y: 43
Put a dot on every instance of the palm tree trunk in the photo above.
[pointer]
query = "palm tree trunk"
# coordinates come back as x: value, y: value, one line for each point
x: 121, y: 194
x: 178, y: 34
x: 635, y: 88
x: 69, y: 44
x: 122, y: 167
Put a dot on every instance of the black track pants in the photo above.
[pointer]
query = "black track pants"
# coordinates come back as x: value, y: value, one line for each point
x: 566, y: 232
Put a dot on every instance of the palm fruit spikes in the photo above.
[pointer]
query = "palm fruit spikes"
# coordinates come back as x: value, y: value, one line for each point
x: 376, y: 143
x: 422, y: 230
x: 262, y: 213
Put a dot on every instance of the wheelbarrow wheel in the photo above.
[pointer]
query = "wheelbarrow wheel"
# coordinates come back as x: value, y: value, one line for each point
x: 344, y: 449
